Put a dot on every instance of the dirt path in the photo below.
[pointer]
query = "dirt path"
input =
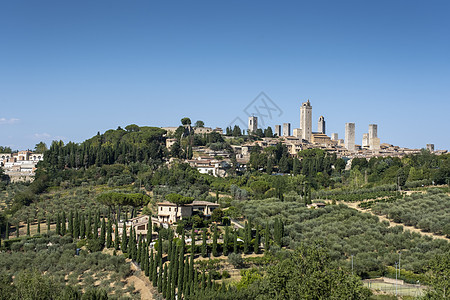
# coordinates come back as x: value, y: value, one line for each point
x: 392, y: 223
x: 141, y: 283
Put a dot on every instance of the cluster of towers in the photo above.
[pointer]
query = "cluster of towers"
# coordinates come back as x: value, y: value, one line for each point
x: 370, y: 139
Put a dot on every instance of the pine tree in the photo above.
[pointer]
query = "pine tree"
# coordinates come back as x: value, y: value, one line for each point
x: 63, y: 223
x: 39, y: 226
x: 214, y: 245
x: 28, y: 227
x: 109, y: 234
x: 226, y: 240
x: 58, y: 224
x: 256, y: 242
x: 124, y: 238
x: 70, y: 224
x: 103, y: 233
x: 204, y: 250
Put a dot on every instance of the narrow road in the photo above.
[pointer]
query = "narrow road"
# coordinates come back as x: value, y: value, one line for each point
x: 392, y: 223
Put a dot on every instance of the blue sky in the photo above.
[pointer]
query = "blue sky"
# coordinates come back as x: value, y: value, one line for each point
x: 71, y: 68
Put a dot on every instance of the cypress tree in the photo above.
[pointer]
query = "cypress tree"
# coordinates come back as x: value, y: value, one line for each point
x: 76, y: 225
x: 89, y: 234
x: 160, y: 277
x: 181, y: 270
x: 17, y: 229
x: 154, y: 271
x: 48, y: 224
x: 246, y: 241
x: 116, y: 237
x: 214, y: 245
x: 203, y: 283
x: 174, y: 277
x: 7, y: 231
x: 226, y: 240
x: 204, y: 250
x: 58, y: 224
x: 149, y: 231
x: 191, y: 268
x: 130, y: 244
x: 39, y: 226
x: 160, y: 248
x: 150, y: 266
x: 165, y: 282
x: 185, y: 277
x: 249, y: 236
x: 28, y: 227
x: 266, y: 237
x: 196, y: 280
x: 109, y: 234
x: 169, y: 251
x: 209, y: 280
x: 146, y: 260
x: 175, y: 265
x: 256, y: 242
x: 70, y: 223
x: 82, y: 226
x: 192, y: 241
x: 124, y: 238
x: 103, y: 233
x: 96, y: 225
x: 63, y: 223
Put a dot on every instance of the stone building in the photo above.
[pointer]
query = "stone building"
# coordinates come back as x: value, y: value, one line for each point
x: 374, y: 141
x: 350, y: 136
x: 321, y: 125
x: 286, y: 129
x: 252, y: 124
x: 170, y: 213
x: 306, y: 120
x: 278, y: 130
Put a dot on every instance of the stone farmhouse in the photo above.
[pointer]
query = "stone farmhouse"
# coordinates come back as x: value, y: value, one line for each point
x: 169, y: 212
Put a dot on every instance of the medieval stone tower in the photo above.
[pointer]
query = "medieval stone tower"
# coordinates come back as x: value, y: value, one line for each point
x: 306, y: 120
x: 321, y: 125
x: 252, y: 124
x: 350, y: 136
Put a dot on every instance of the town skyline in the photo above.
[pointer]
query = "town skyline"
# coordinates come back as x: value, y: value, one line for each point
x: 71, y: 70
